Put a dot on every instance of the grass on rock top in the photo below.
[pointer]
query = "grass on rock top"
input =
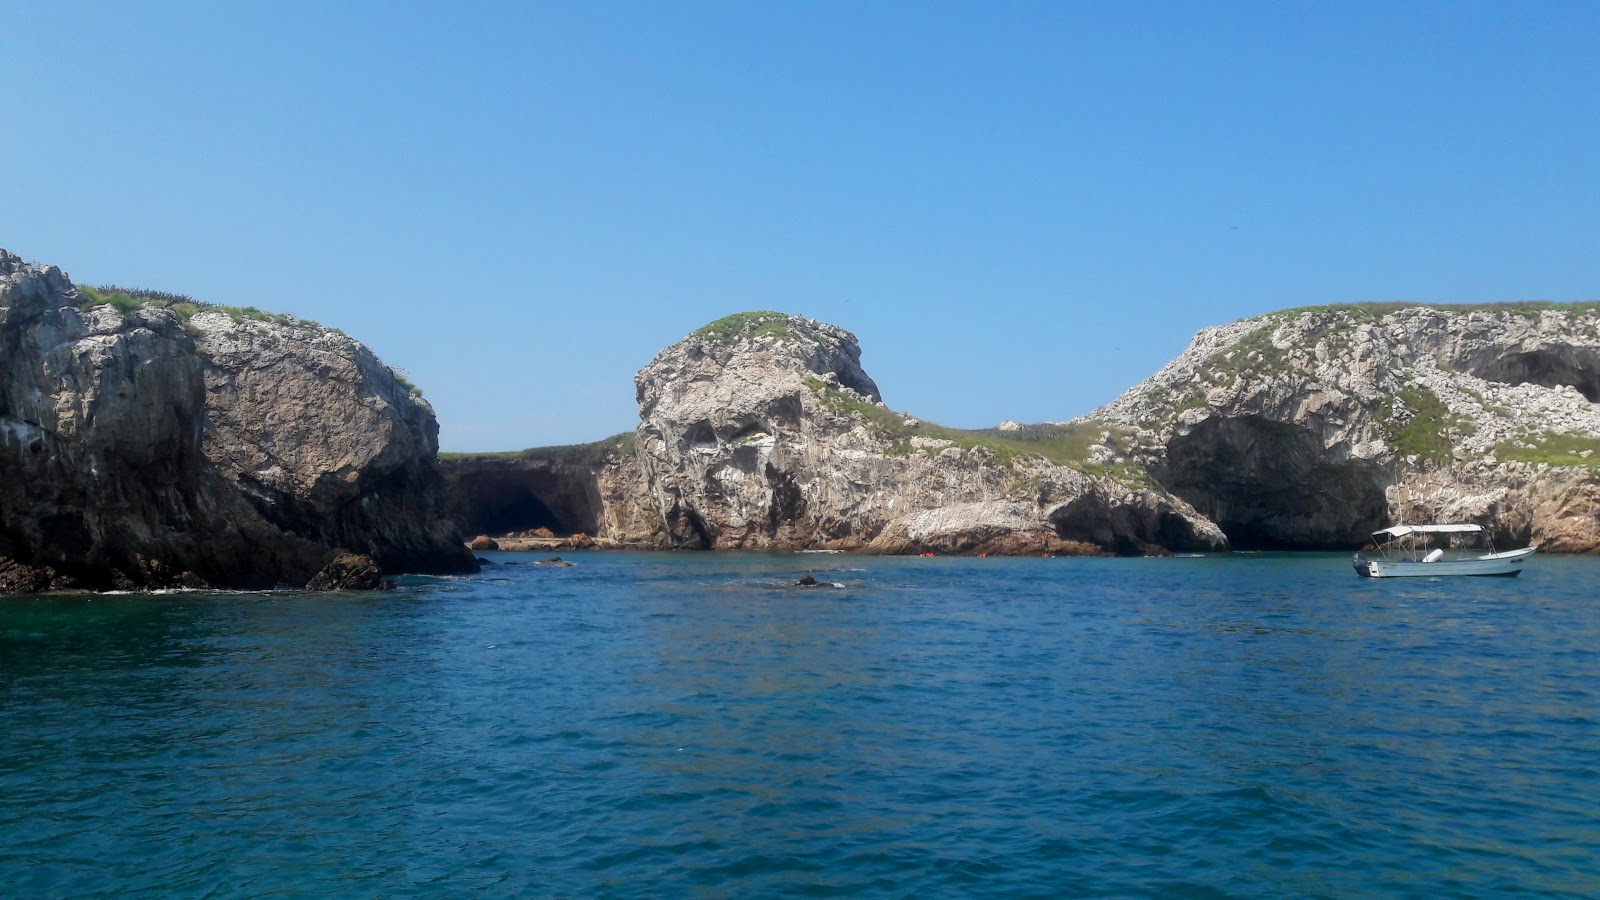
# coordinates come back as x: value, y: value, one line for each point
x: 756, y: 324
x: 592, y: 453
x: 1554, y: 449
x: 760, y: 323
x: 1373, y: 311
x: 1062, y: 445
x: 129, y: 299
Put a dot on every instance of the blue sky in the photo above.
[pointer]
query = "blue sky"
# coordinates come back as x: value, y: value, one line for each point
x: 1021, y: 209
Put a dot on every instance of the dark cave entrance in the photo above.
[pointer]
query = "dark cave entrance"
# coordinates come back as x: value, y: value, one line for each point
x: 1550, y: 367
x: 518, y: 510
x: 497, y: 497
x: 1272, y: 486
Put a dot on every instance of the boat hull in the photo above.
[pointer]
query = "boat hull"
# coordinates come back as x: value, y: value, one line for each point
x: 1508, y: 564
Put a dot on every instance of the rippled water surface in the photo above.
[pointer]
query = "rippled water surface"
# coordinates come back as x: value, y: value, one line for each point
x: 672, y: 725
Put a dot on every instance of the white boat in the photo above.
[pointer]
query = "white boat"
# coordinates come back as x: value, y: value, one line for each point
x: 1421, y: 551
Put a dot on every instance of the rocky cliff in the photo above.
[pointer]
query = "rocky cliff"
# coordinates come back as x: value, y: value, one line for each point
x: 174, y: 443
x: 1303, y: 429
x: 1310, y: 428
x: 762, y: 430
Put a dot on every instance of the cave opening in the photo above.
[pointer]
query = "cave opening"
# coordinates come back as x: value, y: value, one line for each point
x: 1550, y: 367
x: 1272, y: 486
x: 688, y: 528
x: 495, y: 497
x: 519, y: 511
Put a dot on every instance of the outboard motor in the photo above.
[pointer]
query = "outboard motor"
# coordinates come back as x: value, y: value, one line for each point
x: 1360, y: 563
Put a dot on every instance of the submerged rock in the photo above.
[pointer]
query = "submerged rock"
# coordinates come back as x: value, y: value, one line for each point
x: 348, y: 572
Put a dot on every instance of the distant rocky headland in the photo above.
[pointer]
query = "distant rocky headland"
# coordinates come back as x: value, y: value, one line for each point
x: 148, y: 440
x: 1304, y: 429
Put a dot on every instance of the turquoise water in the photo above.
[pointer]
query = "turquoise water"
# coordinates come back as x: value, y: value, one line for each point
x: 689, y: 725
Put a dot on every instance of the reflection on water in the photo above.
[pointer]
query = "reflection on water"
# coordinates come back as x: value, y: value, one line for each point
x: 682, y: 723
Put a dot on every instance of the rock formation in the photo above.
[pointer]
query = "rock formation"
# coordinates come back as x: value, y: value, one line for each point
x: 347, y: 572
x: 763, y: 431
x: 1304, y: 429
x: 1308, y: 429
x: 178, y: 444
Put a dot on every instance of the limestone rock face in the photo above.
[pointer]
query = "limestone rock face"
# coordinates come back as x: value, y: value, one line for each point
x: 763, y: 431
x: 137, y: 450
x: 324, y: 440
x: 1311, y: 428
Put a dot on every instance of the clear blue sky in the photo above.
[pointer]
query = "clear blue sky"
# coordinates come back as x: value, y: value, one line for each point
x: 1021, y: 209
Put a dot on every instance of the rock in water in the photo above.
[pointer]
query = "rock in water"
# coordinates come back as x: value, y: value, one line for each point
x: 189, y: 445
x: 1308, y: 429
x: 16, y: 578
x: 483, y: 542
x: 347, y: 572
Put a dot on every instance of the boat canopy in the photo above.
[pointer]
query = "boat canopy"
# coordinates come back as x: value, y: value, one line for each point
x: 1403, y: 530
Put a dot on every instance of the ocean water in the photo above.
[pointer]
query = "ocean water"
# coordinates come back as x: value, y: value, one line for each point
x: 668, y: 725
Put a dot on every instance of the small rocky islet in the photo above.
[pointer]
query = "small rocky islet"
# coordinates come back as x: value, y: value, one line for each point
x: 151, y: 441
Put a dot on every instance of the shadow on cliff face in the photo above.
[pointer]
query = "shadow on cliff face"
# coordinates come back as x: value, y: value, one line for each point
x: 1552, y: 367
x: 498, y: 496
x: 687, y: 529
x: 1272, y: 486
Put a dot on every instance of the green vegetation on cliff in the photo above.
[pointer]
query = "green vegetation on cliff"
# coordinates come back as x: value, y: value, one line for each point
x: 760, y: 322
x: 1415, y: 422
x: 1253, y: 354
x: 590, y: 454
x: 752, y: 325
x: 126, y: 300
x: 1553, y: 449
x: 1063, y: 445
x: 1374, y: 311
x: 129, y: 299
